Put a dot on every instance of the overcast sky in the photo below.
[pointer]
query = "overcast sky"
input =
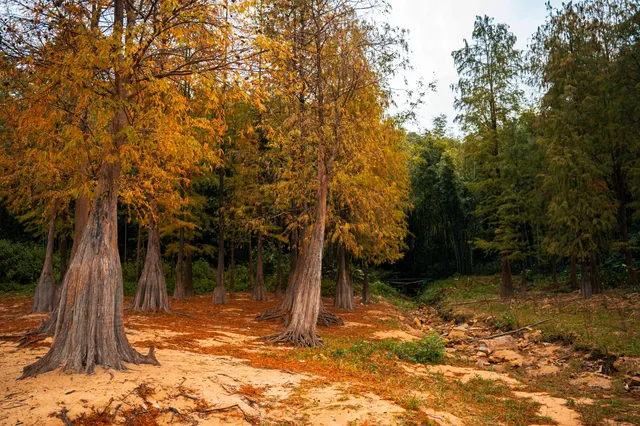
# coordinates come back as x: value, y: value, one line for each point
x: 437, y: 27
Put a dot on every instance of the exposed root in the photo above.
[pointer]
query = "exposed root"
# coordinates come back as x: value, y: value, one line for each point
x: 277, y: 314
x: 291, y: 338
x: 327, y: 318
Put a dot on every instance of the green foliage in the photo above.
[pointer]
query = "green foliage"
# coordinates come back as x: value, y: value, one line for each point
x: 20, y: 263
x: 429, y: 350
x: 504, y: 322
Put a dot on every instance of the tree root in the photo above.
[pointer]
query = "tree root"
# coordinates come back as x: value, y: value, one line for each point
x: 292, y: 338
x: 327, y: 318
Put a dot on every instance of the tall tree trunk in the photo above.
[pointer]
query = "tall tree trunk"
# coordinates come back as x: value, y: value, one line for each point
x: 232, y: 269
x: 219, y: 293
x: 632, y: 274
x: 81, y: 217
x: 151, y: 294
x: 64, y: 256
x: 139, y: 251
x: 251, y: 271
x: 259, y: 292
x: 90, y: 327
x: 301, y: 329
x: 366, y: 291
x: 555, y: 271
x: 44, y: 296
x: 523, y: 279
x: 178, y: 291
x: 573, y: 277
x: 344, y: 292
x: 506, y: 280
x: 585, y: 282
x: 188, y: 274
x: 596, y: 281
x: 279, y: 271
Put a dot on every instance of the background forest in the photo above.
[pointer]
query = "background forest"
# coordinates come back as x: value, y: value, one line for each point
x: 234, y: 137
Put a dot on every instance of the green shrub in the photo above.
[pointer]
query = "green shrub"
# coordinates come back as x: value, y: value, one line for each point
x: 505, y: 322
x: 20, y: 263
x: 428, y: 350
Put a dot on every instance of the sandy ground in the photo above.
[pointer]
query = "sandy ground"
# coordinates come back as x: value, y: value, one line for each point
x: 213, y: 371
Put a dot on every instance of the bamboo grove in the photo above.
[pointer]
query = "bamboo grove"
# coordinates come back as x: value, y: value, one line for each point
x: 227, y: 126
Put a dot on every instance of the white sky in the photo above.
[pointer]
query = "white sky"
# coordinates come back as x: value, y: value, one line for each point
x: 438, y: 27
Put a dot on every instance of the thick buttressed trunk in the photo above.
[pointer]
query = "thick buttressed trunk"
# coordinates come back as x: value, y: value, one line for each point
x: 44, y: 296
x: 232, y: 270
x: 64, y: 257
x: 366, y: 291
x: 219, y: 293
x: 344, y: 292
x: 585, y: 282
x: 188, y: 274
x: 259, y: 291
x: 523, y: 279
x: 178, y: 291
x: 596, y: 281
x: 279, y: 271
x: 573, y: 277
x: 90, y: 328
x: 506, y: 280
x: 151, y: 294
x: 307, y: 303
x: 632, y: 274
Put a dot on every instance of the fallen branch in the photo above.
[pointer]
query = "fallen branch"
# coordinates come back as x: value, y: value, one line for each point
x: 188, y: 396
x: 212, y: 410
x: 509, y: 332
x: 65, y: 419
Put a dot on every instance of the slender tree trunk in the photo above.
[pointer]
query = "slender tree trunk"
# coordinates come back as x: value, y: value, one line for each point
x: 259, y: 292
x: 596, y: 281
x: 178, y: 291
x: 64, y: 256
x: 585, y: 282
x: 188, y: 274
x: 139, y: 251
x: 251, y: 272
x: 366, y: 291
x: 523, y: 279
x: 44, y: 296
x: 573, y: 278
x: 632, y: 274
x: 279, y: 271
x: 219, y: 293
x: 555, y: 271
x: 344, y: 292
x: 151, y: 294
x: 232, y: 269
x: 506, y: 281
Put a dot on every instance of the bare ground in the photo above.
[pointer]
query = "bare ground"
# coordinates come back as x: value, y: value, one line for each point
x: 214, y: 371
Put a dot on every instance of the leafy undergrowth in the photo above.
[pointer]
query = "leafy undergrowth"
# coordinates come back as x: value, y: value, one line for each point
x: 608, y: 322
x: 353, y: 355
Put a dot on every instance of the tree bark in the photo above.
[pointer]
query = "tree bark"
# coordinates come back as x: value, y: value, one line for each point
x: 188, y: 274
x: 259, y: 292
x: 555, y: 271
x: 81, y: 216
x: 44, y: 296
x: 279, y: 271
x: 585, y: 282
x: 64, y: 256
x: 151, y: 294
x: 573, y: 277
x: 251, y: 271
x: 344, y: 292
x: 90, y: 327
x: 366, y: 291
x: 219, y: 293
x: 523, y: 279
x: 596, y: 281
x: 506, y: 281
x: 232, y: 269
x: 139, y: 251
x: 179, y: 291
x: 632, y: 274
